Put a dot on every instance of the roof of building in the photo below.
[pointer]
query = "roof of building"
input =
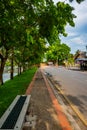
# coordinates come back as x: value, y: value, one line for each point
x: 81, y: 59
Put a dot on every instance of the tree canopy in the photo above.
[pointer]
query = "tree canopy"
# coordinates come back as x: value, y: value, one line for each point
x: 78, y: 1
x: 58, y: 52
x: 26, y: 25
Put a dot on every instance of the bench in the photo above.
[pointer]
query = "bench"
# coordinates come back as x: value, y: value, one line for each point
x: 14, y: 116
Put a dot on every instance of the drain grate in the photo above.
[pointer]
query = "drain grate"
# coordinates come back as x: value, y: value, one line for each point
x: 14, y: 114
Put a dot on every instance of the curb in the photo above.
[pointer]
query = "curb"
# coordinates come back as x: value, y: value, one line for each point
x: 75, y: 109
x: 60, y: 114
x: 29, y: 89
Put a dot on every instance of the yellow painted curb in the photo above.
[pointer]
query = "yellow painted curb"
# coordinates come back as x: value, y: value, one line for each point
x: 75, y: 109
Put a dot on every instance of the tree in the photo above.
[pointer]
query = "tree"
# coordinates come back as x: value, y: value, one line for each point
x: 78, y: 1
x: 58, y: 15
x: 7, y: 32
x: 41, y: 18
x: 58, y: 52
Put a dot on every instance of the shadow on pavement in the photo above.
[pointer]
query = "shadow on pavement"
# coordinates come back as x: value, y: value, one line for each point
x: 77, y: 102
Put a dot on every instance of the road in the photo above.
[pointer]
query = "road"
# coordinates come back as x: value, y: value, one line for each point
x: 74, y: 85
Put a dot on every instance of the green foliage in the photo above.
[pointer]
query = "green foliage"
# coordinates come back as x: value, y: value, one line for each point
x: 8, y: 63
x: 26, y: 25
x: 22, y: 21
x: 78, y: 1
x: 70, y: 59
x: 55, y: 17
x: 58, y: 52
x: 15, y: 87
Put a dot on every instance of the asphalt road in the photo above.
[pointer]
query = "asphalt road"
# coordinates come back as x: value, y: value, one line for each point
x: 74, y: 85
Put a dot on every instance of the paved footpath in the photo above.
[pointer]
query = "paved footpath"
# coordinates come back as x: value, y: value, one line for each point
x: 44, y: 106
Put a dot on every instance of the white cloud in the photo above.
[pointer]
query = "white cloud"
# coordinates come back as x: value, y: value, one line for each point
x: 81, y: 12
x: 78, y: 40
x: 77, y: 36
x: 71, y: 34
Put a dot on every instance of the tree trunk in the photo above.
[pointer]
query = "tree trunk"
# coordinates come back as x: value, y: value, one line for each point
x: 12, y: 69
x: 3, y: 61
x: 24, y: 67
x: 12, y: 65
x: 1, y: 77
x: 18, y: 70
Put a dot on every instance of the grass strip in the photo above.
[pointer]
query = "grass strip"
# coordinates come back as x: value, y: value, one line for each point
x: 12, y: 88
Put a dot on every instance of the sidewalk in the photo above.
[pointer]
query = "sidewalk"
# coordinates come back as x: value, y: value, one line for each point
x: 44, y: 106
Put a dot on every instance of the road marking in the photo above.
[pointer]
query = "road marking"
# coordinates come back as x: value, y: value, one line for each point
x: 81, y: 117
x: 67, y: 111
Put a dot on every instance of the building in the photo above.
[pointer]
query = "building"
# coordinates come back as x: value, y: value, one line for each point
x: 81, y: 59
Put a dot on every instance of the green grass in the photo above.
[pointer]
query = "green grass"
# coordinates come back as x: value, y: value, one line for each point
x: 14, y: 87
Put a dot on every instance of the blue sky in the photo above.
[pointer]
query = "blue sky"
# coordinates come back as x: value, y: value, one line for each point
x: 77, y: 36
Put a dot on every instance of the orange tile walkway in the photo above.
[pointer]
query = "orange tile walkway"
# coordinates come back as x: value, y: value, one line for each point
x: 61, y: 116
